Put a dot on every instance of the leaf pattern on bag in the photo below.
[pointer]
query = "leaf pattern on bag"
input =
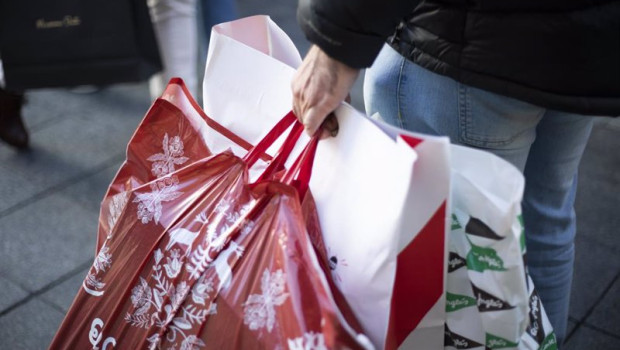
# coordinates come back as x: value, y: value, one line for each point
x: 192, y: 343
x: 201, y: 290
x: 164, y: 188
x: 103, y: 260
x: 92, y: 281
x: 225, y: 217
x: 115, y: 208
x: 259, y: 310
x: 163, y: 163
x: 176, y: 315
x: 149, y: 204
x: 173, y: 265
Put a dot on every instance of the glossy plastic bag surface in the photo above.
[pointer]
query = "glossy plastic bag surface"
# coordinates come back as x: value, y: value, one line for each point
x: 193, y: 256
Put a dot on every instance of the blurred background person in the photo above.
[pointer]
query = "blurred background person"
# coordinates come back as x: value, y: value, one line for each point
x: 176, y: 29
x: 12, y: 128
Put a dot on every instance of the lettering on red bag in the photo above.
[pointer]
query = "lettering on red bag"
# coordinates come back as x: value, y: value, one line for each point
x: 95, y: 335
x: 310, y: 340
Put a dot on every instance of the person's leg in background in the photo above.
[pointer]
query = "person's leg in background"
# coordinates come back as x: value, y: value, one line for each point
x: 212, y: 12
x: 176, y: 29
x: 545, y: 145
x: 12, y: 128
x: 215, y: 12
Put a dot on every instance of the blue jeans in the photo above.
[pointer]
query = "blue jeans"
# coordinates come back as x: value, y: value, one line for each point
x: 545, y: 145
x: 216, y: 12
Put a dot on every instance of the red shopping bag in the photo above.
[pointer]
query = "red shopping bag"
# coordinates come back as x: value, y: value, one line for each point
x: 197, y: 258
x: 177, y: 93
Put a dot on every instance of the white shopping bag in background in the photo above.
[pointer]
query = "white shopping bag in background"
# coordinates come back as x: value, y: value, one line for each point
x: 384, y: 223
x: 487, y: 290
x: 487, y: 236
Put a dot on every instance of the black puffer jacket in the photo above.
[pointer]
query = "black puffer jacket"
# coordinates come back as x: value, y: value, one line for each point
x: 559, y: 54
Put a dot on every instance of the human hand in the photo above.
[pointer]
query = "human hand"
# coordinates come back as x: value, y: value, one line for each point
x: 319, y: 86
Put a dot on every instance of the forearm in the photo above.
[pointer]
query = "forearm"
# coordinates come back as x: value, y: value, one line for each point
x: 351, y: 31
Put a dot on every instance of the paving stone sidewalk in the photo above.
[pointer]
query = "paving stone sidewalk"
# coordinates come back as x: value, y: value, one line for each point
x: 49, y: 206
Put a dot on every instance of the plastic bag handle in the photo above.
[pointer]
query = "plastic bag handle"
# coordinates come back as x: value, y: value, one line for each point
x: 283, y: 153
x: 300, y: 172
x: 252, y: 156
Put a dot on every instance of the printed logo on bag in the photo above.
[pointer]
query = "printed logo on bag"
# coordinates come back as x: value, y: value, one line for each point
x: 495, y: 342
x: 456, y: 302
x: 309, y: 341
x: 535, y: 326
x: 458, y: 341
x: 455, y: 223
x: 478, y: 228
x: 95, y: 336
x: 488, y: 302
x: 481, y: 259
x: 334, y: 263
x: 65, y: 22
x: 455, y: 262
x: 549, y: 343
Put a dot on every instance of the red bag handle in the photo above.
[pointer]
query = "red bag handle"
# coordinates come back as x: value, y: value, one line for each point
x: 283, y: 153
x: 300, y: 172
x: 252, y: 156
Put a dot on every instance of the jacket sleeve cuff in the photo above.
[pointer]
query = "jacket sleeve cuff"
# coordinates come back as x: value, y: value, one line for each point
x: 357, y: 50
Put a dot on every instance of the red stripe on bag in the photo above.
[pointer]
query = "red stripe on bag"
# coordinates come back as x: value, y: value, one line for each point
x: 419, y: 279
x: 411, y: 141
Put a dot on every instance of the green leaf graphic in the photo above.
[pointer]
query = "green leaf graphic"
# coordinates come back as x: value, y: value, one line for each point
x: 455, y: 223
x: 549, y: 343
x: 481, y: 259
x: 456, y: 302
x: 495, y: 342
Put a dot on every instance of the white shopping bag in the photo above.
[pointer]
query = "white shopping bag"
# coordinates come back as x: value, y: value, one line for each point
x: 487, y: 248
x: 488, y: 290
x: 384, y: 220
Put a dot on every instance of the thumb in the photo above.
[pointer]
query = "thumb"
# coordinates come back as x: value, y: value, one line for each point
x: 313, y: 118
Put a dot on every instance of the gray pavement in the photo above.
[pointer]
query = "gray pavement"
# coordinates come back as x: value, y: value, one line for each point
x: 49, y: 203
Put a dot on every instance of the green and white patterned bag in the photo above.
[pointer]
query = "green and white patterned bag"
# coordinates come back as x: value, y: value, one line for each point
x: 491, y: 302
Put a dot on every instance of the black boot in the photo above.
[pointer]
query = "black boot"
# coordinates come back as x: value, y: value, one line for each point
x: 12, y: 129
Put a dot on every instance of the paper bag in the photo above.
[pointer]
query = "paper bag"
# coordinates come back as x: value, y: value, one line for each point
x: 384, y: 232
x: 491, y: 302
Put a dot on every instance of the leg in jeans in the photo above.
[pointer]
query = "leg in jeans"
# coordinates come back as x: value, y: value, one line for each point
x: 414, y: 98
x: 216, y: 12
x: 545, y: 145
x: 176, y: 31
x: 548, y: 212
